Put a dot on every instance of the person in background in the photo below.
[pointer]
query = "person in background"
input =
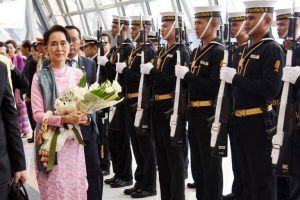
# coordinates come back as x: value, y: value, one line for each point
x: 29, y: 70
x: 255, y: 79
x: 67, y: 180
x: 15, y: 77
x: 34, y: 51
x: 237, y: 25
x: 288, y: 168
x: 90, y: 132
x: 91, y: 48
x: 12, y: 160
x: 142, y: 144
x: 119, y: 141
x: 18, y: 62
x: 170, y: 157
x: 202, y: 79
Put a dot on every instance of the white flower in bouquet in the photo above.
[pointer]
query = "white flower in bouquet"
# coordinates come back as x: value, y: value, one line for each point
x: 116, y: 86
x: 94, y: 86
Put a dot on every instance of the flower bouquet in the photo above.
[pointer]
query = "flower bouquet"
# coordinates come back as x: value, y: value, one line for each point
x: 79, y: 98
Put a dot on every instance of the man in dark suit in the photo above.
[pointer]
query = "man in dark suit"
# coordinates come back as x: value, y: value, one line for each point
x: 89, y: 133
x: 11, y: 146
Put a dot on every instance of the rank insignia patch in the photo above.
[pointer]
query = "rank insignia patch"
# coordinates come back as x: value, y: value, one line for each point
x: 276, y: 66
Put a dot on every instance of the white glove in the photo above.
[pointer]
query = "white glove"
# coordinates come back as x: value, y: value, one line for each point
x: 102, y: 60
x: 120, y: 67
x: 180, y: 71
x: 291, y: 74
x: 227, y: 74
x: 146, y: 68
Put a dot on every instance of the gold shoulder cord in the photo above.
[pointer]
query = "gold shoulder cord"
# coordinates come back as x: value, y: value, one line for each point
x: 114, y: 56
x: 133, y: 56
x: 241, y: 69
x: 193, y: 68
x: 163, y: 58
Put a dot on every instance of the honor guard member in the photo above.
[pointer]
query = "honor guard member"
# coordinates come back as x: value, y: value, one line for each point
x: 237, y: 22
x: 119, y: 142
x: 289, y: 188
x: 282, y: 21
x: 90, y: 48
x: 255, y: 82
x: 203, y: 84
x: 170, y: 158
x: 142, y: 145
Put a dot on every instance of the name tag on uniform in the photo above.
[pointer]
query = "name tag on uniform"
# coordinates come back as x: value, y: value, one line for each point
x: 202, y: 62
x: 170, y: 56
x: 256, y: 57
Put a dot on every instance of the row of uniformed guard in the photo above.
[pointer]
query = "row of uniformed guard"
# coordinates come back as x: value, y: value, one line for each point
x: 253, y: 76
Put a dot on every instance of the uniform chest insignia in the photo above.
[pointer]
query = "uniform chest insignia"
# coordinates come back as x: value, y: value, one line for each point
x: 277, y: 66
x: 203, y: 62
x: 169, y: 56
x: 256, y: 57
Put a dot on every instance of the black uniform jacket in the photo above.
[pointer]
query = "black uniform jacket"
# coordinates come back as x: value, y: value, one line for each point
x: 163, y: 73
x: 132, y: 72
x: 259, y: 72
x: 204, y: 76
x: 124, y: 52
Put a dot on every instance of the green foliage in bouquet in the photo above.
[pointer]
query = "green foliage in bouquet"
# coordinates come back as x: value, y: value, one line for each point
x: 106, y: 91
x: 83, y: 81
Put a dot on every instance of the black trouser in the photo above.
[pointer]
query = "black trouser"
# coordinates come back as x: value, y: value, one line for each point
x: 186, y: 159
x: 253, y: 157
x: 207, y: 170
x: 119, y: 147
x: 170, y: 159
x: 3, y: 190
x: 102, y: 122
x: 288, y: 187
x: 30, y: 116
x: 94, y: 173
x: 143, y: 150
x: 236, y: 186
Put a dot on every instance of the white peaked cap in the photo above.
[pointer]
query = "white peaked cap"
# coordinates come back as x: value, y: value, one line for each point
x: 283, y: 11
x: 144, y: 18
x: 253, y: 5
x: 116, y: 17
x: 236, y: 14
x: 125, y: 18
x: 87, y: 37
x: 170, y: 16
x: 207, y: 9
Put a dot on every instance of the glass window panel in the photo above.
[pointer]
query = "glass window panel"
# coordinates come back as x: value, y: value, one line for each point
x: 77, y: 22
x: 157, y: 7
x: 133, y: 9
x: 71, y: 5
x: 88, y: 4
x: 105, y: 2
x: 92, y: 22
x: 107, y: 14
x: 195, y: 3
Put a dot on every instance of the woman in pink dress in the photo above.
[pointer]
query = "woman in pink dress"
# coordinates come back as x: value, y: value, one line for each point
x: 67, y: 180
x: 17, y: 60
